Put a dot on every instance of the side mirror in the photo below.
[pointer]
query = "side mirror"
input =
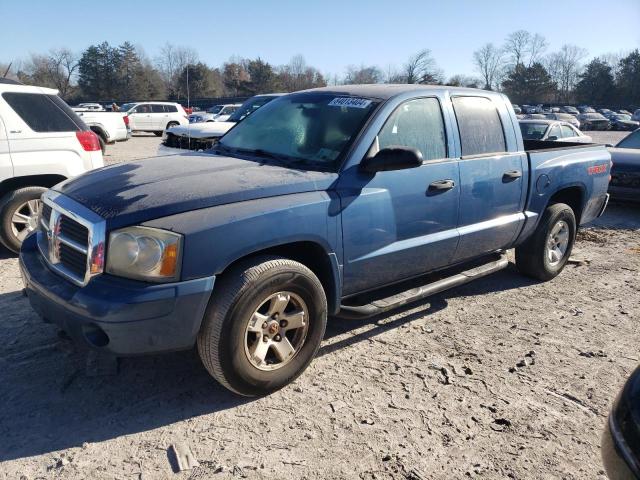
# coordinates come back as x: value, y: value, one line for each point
x: 552, y: 138
x: 392, y: 158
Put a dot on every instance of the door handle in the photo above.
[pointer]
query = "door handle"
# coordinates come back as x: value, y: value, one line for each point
x: 441, y: 186
x: 15, y: 131
x: 511, y: 175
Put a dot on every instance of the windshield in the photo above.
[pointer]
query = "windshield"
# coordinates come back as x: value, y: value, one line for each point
x: 309, y: 128
x: 594, y: 116
x: 248, y: 107
x: 533, y: 131
x: 215, y: 109
x: 622, y: 117
x: 127, y: 106
x: 630, y: 141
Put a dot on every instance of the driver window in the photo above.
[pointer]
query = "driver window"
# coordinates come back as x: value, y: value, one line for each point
x: 554, y: 132
x: 416, y: 124
x: 567, y: 132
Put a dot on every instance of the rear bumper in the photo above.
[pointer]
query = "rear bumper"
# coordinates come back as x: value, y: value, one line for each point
x: 115, y: 315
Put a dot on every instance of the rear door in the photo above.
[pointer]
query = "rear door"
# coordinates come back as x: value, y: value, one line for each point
x: 399, y: 224
x: 6, y: 167
x: 491, y: 179
x: 159, y: 116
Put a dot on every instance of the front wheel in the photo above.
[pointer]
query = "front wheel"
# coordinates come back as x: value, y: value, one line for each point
x: 19, y: 212
x: 263, y: 325
x: 546, y: 252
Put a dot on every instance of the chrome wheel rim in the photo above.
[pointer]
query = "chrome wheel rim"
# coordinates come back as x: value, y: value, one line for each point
x: 25, y: 219
x: 276, y: 331
x: 557, y: 243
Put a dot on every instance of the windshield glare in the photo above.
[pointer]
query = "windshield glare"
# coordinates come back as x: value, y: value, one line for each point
x: 248, y: 107
x: 215, y: 109
x: 311, y: 127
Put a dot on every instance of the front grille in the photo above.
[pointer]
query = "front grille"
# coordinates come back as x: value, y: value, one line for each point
x: 69, y: 235
x: 73, y: 260
x: 74, y: 231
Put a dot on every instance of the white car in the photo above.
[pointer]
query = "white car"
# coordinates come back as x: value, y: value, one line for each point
x: 552, y: 131
x: 96, y: 107
x: 217, y: 113
x: 42, y: 143
x: 154, y: 117
x: 110, y: 127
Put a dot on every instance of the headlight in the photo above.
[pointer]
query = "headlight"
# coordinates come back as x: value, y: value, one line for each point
x: 144, y: 253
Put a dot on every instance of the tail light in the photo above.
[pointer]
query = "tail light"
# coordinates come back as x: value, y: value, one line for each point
x: 88, y: 140
x: 126, y: 120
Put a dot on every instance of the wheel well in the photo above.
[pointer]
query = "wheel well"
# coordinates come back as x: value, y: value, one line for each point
x: 311, y: 255
x: 572, y: 196
x: 15, y: 183
x: 99, y: 131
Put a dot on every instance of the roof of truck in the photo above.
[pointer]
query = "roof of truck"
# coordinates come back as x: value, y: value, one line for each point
x: 386, y: 91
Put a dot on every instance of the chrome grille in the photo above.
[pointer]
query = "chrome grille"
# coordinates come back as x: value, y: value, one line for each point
x: 71, y: 238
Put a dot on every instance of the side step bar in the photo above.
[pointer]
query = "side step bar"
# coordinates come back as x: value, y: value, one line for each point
x: 403, y: 298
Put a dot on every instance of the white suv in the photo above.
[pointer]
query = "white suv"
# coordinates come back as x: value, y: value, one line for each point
x: 154, y: 117
x: 42, y: 142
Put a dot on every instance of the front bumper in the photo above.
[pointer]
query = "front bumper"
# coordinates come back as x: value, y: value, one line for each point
x: 119, y: 316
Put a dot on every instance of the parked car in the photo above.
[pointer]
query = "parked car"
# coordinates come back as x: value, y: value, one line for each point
x: 625, y: 173
x: 570, y: 110
x: 313, y: 205
x: 42, y: 142
x: 110, y: 127
x: 90, y: 106
x: 552, y: 131
x: 618, y: 121
x: 593, y: 121
x: 154, y: 117
x: 620, y: 442
x: 535, y: 116
x: 585, y: 109
x: 636, y: 116
x: 564, y: 117
x: 605, y: 112
x: 217, y: 113
x: 625, y: 112
x: 202, y: 136
x: 517, y: 109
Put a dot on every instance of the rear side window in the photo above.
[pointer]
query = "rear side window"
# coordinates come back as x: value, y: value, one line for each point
x: 480, y: 126
x: 157, y: 108
x: 43, y: 113
x: 554, y: 132
x: 170, y: 108
x: 567, y: 132
x: 416, y: 124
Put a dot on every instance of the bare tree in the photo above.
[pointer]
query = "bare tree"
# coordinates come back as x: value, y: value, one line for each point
x: 362, y: 74
x: 489, y: 61
x: 420, y: 68
x: 56, y: 69
x: 537, y: 46
x: 517, y: 45
x: 564, y: 67
x: 461, y: 80
x: 172, y: 61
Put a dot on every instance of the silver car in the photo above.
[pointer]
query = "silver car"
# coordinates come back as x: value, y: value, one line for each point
x: 564, y: 117
x: 552, y: 131
x: 217, y: 113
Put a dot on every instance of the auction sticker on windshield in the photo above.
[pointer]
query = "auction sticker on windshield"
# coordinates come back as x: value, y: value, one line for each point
x: 350, y: 102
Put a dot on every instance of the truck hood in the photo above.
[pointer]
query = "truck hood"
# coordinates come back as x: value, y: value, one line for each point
x: 202, y: 130
x: 135, y: 192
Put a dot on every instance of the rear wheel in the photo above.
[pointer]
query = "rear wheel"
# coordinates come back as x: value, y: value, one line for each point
x: 19, y: 213
x: 263, y: 325
x: 546, y: 252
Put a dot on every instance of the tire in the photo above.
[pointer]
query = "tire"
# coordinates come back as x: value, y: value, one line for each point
x: 535, y: 258
x: 225, y: 343
x: 103, y: 145
x: 17, y: 202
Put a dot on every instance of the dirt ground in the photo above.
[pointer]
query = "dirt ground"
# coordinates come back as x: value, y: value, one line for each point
x: 501, y: 378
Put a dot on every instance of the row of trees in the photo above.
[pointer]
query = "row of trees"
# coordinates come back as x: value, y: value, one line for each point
x: 521, y: 67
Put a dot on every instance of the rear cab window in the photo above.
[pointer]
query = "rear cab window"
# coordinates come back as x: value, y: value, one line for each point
x: 44, y: 113
x: 480, y: 127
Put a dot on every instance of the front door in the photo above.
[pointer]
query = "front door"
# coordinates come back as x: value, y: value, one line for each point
x: 491, y: 180
x: 140, y: 118
x: 6, y: 167
x: 399, y: 224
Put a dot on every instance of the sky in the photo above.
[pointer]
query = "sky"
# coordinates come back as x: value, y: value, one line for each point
x: 330, y: 34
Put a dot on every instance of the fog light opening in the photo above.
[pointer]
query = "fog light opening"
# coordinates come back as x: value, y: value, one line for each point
x: 95, y: 335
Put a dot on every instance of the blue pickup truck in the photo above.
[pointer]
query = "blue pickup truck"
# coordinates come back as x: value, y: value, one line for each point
x: 344, y: 201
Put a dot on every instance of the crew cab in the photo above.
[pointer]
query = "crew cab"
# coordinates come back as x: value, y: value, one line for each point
x: 346, y: 201
x: 42, y: 142
x: 110, y: 127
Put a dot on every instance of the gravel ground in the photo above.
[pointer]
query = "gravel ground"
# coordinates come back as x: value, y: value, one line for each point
x: 501, y: 378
